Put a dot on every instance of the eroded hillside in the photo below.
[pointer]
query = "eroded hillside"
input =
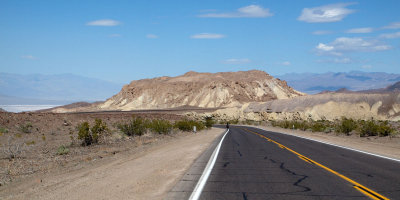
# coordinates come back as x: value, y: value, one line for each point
x: 204, y: 90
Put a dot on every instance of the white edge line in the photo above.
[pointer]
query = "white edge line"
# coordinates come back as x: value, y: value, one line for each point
x: 207, y: 171
x: 348, y: 148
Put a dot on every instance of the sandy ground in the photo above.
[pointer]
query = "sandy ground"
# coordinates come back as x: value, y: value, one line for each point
x: 385, y: 146
x: 149, y: 174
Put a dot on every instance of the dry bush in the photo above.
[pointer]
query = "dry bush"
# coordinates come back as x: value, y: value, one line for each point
x: 13, y: 149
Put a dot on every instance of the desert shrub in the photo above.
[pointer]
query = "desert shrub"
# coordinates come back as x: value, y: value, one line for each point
x: 209, y: 122
x: 187, y: 125
x: 384, y: 129
x: 62, y: 150
x: 30, y: 142
x: 346, y: 126
x: 26, y: 128
x: 374, y: 128
x: 318, y: 126
x: 13, y: 149
x: 3, y: 130
x: 99, y: 128
x: 301, y: 125
x: 368, y: 128
x: 160, y: 126
x: 233, y: 121
x: 89, y: 135
x: 136, y: 126
x: 84, y: 133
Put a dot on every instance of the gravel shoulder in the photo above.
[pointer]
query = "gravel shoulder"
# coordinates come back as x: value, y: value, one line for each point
x: 385, y: 146
x: 148, y: 174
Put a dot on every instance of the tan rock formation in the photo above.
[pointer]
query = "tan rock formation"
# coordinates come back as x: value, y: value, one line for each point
x: 206, y: 90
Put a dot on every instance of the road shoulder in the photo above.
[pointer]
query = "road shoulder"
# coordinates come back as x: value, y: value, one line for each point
x: 149, y: 175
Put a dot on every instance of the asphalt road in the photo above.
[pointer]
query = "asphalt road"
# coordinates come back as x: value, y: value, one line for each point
x: 256, y: 164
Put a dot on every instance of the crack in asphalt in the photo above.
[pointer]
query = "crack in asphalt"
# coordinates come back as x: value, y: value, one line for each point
x: 297, y: 183
x: 244, y: 195
x: 226, y: 164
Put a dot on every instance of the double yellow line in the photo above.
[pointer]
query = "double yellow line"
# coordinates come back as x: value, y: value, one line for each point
x: 366, y: 191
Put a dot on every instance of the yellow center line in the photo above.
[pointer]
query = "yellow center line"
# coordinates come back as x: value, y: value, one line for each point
x: 366, y: 191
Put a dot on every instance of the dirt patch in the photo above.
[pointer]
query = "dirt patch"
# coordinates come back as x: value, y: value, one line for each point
x: 30, y: 142
x: 385, y: 146
x: 144, y: 172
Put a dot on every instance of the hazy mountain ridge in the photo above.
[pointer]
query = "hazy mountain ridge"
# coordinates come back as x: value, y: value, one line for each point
x: 313, y: 83
x: 64, y: 87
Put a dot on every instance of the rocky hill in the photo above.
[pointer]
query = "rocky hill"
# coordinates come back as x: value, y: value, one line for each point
x: 206, y: 90
x: 203, y: 90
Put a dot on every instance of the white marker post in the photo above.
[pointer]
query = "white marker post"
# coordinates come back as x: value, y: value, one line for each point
x: 194, y: 129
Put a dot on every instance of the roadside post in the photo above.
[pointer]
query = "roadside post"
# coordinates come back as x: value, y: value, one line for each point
x: 194, y: 129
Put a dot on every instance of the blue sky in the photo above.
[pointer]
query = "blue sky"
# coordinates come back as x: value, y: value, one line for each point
x: 122, y: 41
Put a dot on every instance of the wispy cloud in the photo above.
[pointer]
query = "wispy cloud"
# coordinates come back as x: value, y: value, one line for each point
x: 360, y: 30
x: 251, y: 11
x: 207, y: 36
x: 29, y: 57
x: 327, y: 13
x: 115, y: 35
x: 151, y: 36
x: 390, y: 35
x: 355, y: 44
x: 337, y: 61
x: 237, y: 61
x: 322, y: 32
x: 104, y: 22
x: 394, y: 25
x: 284, y: 63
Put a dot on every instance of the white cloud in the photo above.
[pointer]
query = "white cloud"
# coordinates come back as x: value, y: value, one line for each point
x: 115, y: 35
x: 394, y: 25
x: 207, y: 36
x: 104, y: 22
x: 390, y: 35
x: 237, y: 61
x: 356, y: 44
x: 327, y: 13
x: 321, y: 32
x: 29, y: 57
x: 151, y: 36
x: 324, y: 47
x: 251, y: 11
x: 360, y: 30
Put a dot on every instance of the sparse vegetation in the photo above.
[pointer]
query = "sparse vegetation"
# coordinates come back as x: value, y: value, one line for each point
x: 62, y: 150
x: 209, y: 122
x: 136, y: 126
x: 187, y: 125
x: 13, y: 149
x: 160, y: 126
x: 345, y: 125
x: 30, y: 142
x: 375, y: 128
x: 91, y: 135
x: 26, y: 128
x: 3, y: 130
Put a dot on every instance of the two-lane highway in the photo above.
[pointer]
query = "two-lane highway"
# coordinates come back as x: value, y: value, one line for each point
x: 256, y: 164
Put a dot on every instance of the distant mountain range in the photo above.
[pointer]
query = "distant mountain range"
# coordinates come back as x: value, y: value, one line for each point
x: 312, y: 83
x: 36, y: 89
x: 53, y: 89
